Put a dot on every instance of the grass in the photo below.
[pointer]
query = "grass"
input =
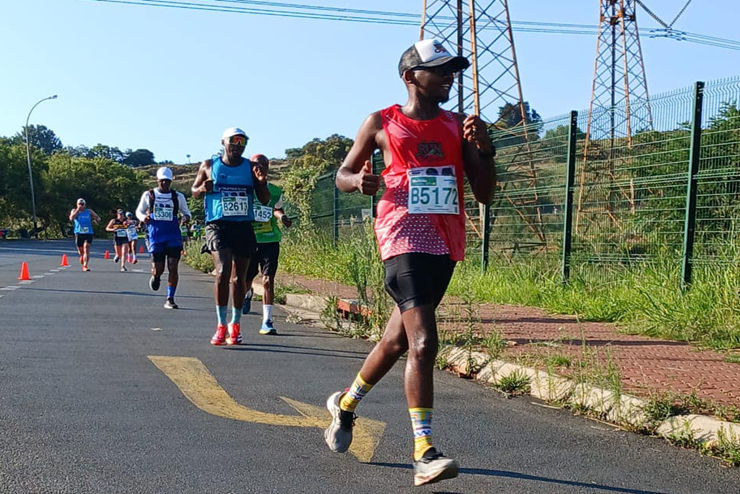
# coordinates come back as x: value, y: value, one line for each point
x: 662, y: 405
x: 728, y: 447
x: 515, y: 383
x: 558, y: 361
x: 195, y: 259
x: 643, y: 298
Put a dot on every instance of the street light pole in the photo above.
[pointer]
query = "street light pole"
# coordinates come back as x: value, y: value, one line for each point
x: 30, y: 173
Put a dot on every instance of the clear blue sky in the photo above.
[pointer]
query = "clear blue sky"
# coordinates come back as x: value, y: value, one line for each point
x: 171, y: 80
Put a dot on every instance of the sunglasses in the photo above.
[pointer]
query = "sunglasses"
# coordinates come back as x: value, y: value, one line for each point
x: 441, y: 71
x: 238, y: 140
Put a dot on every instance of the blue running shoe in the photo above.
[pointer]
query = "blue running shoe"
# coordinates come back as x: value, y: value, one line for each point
x: 247, y: 302
x: 268, y: 328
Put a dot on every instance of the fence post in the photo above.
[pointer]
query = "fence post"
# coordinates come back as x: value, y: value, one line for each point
x: 568, y: 205
x: 375, y: 160
x: 335, y: 215
x: 694, y: 156
x: 486, y: 213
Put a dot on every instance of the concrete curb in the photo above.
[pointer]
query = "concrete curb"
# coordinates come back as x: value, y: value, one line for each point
x: 624, y: 409
x: 621, y: 409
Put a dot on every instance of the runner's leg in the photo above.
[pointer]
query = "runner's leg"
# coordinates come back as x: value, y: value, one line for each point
x: 86, y: 253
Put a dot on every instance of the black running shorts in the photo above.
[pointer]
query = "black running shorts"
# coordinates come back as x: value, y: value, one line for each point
x: 120, y: 240
x: 417, y: 279
x: 264, y: 260
x: 81, y: 238
x: 235, y: 235
x: 167, y: 252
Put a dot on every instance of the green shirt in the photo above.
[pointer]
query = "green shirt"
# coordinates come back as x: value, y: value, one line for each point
x: 265, y: 223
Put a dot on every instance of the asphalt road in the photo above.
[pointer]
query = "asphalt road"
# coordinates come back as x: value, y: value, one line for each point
x: 83, y: 408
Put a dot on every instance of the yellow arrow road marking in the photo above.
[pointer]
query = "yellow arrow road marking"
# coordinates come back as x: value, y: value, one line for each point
x: 201, y: 388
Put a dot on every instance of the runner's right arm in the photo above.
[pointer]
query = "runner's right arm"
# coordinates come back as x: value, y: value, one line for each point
x: 203, y: 182
x: 111, y: 227
x: 142, y: 210
x: 356, y: 170
x: 73, y: 214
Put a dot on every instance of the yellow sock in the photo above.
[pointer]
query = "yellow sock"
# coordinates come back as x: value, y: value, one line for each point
x: 354, y: 394
x: 421, y: 422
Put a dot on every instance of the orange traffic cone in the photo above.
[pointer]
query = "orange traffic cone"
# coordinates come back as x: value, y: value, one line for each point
x: 24, y: 272
x: 65, y: 263
x: 141, y: 249
x: 107, y: 255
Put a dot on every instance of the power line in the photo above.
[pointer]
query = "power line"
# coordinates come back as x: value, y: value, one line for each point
x: 319, y: 12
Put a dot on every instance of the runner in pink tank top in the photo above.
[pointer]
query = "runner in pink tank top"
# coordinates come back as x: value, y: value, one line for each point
x: 420, y: 229
x: 425, y: 148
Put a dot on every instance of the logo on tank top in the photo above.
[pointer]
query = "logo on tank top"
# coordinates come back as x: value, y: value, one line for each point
x: 429, y: 151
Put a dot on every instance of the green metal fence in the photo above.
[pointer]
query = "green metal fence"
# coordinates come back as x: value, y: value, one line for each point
x: 573, y: 195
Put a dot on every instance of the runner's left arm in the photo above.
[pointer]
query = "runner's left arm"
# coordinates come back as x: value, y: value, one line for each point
x: 280, y: 214
x: 183, y: 206
x: 478, y: 153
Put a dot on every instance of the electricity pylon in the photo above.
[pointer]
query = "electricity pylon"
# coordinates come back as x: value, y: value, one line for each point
x: 481, y: 31
x: 620, y: 106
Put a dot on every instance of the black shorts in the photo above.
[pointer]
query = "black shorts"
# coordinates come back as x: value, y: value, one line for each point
x: 81, y: 238
x: 235, y: 235
x: 417, y: 279
x: 171, y: 252
x: 120, y: 240
x: 264, y: 260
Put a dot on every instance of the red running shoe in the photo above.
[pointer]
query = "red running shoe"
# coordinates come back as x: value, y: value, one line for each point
x: 220, y: 337
x: 235, y: 336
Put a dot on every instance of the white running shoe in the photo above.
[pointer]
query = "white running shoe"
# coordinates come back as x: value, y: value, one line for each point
x: 338, y: 435
x: 433, y: 467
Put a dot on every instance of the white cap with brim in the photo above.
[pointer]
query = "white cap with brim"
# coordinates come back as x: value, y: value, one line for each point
x: 233, y: 131
x: 164, y: 173
x: 429, y: 53
x: 81, y: 201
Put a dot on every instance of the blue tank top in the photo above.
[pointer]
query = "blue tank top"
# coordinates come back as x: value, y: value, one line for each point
x: 232, y: 196
x: 83, y: 223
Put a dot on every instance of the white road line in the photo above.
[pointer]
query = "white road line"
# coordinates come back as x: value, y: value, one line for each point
x: 49, y: 274
x: 156, y: 329
x: 37, y: 276
x: 56, y: 270
x: 10, y: 288
x: 138, y: 270
x: 25, y: 282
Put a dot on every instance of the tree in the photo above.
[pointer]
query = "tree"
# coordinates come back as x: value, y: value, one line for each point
x: 140, y: 157
x: 40, y: 137
x: 106, y: 152
x: 556, y: 140
x: 509, y: 129
x: 105, y: 184
x: 306, y: 164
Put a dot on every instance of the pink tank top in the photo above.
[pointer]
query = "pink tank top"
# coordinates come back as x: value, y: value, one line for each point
x: 419, y: 215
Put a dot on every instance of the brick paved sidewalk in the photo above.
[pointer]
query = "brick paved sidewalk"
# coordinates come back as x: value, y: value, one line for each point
x: 647, y: 365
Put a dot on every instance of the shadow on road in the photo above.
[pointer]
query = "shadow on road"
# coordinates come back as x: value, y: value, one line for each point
x: 250, y: 347
x: 522, y: 476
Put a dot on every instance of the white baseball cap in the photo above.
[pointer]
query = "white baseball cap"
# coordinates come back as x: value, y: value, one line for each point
x: 164, y: 173
x: 233, y: 131
x: 81, y: 201
x: 430, y: 53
